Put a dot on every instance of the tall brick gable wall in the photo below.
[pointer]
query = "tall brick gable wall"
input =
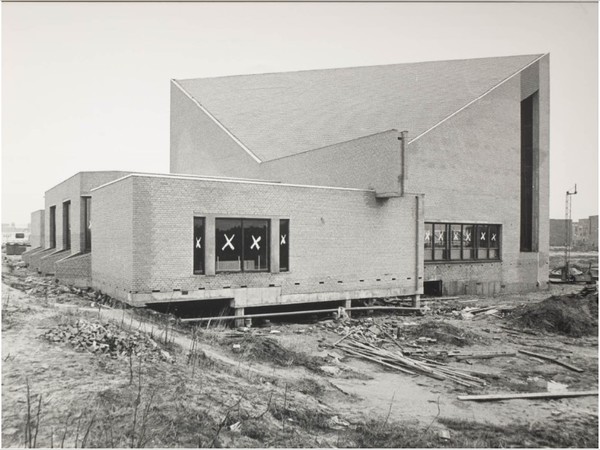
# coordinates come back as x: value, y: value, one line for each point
x: 469, y: 170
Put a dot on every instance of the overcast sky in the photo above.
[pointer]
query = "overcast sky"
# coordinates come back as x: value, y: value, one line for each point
x: 86, y: 86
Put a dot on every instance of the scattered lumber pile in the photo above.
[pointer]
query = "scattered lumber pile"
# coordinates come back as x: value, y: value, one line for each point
x: 107, y: 339
x: 358, y: 345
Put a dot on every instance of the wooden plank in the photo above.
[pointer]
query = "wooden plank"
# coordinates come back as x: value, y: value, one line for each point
x: 491, y: 397
x: 552, y: 359
x: 460, y: 357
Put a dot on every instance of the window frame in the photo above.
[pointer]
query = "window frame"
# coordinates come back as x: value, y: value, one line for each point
x: 447, y: 248
x: 243, y: 245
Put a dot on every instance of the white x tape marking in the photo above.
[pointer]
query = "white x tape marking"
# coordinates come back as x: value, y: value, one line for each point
x: 255, y: 242
x: 440, y: 236
x: 456, y: 235
x: 228, y: 243
x: 198, y: 242
x: 283, y: 239
x: 493, y: 237
x: 482, y: 236
x: 90, y: 225
x: 427, y: 236
x: 467, y: 236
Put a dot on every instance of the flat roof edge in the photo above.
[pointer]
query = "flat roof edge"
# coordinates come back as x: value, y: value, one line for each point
x: 228, y: 180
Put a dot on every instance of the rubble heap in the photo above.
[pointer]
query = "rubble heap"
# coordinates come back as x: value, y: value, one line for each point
x: 573, y: 315
x: 108, y: 339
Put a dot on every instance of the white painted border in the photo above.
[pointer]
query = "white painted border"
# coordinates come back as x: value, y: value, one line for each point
x: 234, y: 181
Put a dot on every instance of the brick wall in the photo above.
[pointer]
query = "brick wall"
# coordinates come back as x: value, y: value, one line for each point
x: 37, y: 229
x: 372, y: 162
x: 75, y: 270
x: 47, y: 262
x: 71, y: 190
x: 199, y: 146
x: 337, y: 237
x: 469, y: 170
x: 112, y: 238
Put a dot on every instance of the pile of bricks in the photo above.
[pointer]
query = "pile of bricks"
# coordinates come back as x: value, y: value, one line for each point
x: 107, y: 339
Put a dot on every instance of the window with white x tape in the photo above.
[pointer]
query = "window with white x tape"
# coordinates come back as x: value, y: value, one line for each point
x: 241, y: 245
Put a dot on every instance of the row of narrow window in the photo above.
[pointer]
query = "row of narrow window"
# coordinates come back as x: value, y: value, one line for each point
x: 241, y: 245
x: 461, y: 241
x: 86, y: 203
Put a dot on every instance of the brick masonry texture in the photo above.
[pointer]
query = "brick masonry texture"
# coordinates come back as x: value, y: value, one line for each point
x: 72, y: 190
x: 144, y: 236
x: 75, y: 270
x: 47, y: 263
x: 372, y: 162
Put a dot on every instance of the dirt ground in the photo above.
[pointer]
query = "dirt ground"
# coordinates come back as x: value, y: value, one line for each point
x: 285, y: 384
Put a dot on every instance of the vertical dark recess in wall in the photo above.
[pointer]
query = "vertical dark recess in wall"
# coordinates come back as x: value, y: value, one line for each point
x: 52, y: 227
x: 527, y: 172
x: 66, y: 226
x: 87, y: 223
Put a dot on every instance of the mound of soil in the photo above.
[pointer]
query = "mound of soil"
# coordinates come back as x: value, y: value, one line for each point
x: 269, y: 350
x: 572, y: 315
x: 444, y: 333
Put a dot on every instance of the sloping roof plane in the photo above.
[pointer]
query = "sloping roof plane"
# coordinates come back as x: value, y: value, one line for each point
x: 281, y: 114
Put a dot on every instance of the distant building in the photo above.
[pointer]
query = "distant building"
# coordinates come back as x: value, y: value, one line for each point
x: 15, y: 234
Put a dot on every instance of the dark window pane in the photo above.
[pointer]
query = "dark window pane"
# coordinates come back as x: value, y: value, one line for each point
x: 199, y: 245
x: 66, y: 225
x: 19, y: 235
x: 483, y: 238
x: 229, y: 245
x: 494, y: 232
x: 284, y: 245
x: 439, y: 242
x: 256, y: 244
x: 455, y: 241
x: 52, y: 231
x: 468, y: 232
x: 428, y: 238
x: 87, y: 221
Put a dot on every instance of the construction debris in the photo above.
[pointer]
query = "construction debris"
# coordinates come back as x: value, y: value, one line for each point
x: 360, y: 346
x: 107, y: 339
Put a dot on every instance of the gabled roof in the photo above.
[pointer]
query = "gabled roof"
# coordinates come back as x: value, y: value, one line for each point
x: 280, y: 114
